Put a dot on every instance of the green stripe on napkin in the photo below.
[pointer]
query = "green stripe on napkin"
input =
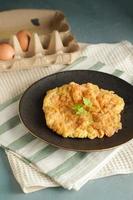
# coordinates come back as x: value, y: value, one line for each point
x: 9, y: 102
x: 117, y: 73
x: 11, y: 123
x: 97, y: 66
x: 68, y: 164
x: 43, y: 153
x: 22, y: 141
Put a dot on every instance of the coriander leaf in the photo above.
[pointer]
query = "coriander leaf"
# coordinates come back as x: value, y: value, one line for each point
x: 76, y: 107
x: 87, y: 102
x: 81, y: 111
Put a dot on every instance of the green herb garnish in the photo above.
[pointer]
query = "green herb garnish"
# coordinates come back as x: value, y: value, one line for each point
x: 87, y: 102
x: 79, y: 109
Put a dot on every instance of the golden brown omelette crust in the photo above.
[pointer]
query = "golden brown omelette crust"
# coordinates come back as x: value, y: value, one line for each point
x: 102, y: 118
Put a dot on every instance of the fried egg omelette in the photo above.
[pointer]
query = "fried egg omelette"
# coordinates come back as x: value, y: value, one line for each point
x: 83, y: 111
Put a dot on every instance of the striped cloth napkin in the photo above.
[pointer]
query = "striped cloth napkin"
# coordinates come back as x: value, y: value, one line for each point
x: 37, y: 165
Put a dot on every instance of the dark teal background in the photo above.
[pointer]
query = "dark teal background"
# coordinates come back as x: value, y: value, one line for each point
x: 91, y: 21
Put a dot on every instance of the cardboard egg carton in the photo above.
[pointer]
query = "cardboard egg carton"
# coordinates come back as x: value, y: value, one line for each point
x: 56, y: 46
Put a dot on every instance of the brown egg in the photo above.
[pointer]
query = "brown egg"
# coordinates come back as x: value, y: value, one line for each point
x: 24, y: 39
x: 6, y: 51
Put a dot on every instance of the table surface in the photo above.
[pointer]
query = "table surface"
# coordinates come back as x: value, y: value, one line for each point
x: 92, y: 21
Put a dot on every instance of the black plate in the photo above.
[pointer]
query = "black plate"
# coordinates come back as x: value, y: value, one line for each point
x: 30, y: 109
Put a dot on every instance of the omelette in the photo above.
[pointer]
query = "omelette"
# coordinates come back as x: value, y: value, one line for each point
x: 83, y: 111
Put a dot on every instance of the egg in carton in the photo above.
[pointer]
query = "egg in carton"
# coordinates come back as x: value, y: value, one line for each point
x: 58, y: 46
